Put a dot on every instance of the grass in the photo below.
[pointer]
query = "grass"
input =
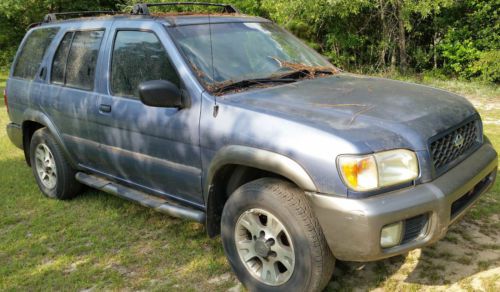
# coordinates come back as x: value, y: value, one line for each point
x: 96, y: 240
x: 101, y: 242
x: 3, y: 80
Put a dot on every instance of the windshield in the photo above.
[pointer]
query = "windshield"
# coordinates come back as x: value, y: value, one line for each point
x: 243, y: 51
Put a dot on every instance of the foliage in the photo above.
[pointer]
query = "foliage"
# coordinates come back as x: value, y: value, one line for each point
x: 459, y: 38
x: 459, y: 57
x: 6, y: 57
x: 488, y: 66
x: 17, y: 15
x: 472, y: 41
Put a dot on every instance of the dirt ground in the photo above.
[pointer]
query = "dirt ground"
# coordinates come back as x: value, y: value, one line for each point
x: 468, y: 259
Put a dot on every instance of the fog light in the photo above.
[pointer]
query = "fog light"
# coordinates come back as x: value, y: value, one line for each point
x: 391, y: 234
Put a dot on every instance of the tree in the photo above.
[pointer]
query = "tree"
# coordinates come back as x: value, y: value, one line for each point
x: 16, y: 15
x: 471, y: 43
x: 459, y: 37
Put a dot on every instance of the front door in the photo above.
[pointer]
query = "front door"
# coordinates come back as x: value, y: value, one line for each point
x: 156, y: 149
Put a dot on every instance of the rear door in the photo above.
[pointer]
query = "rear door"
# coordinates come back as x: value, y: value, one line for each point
x: 156, y: 149
x: 69, y: 93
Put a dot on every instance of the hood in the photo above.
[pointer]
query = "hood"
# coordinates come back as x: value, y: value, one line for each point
x: 381, y: 113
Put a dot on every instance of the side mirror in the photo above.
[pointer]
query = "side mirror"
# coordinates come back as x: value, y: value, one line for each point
x: 160, y: 93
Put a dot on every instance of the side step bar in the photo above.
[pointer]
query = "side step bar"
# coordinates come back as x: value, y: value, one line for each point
x: 158, y: 204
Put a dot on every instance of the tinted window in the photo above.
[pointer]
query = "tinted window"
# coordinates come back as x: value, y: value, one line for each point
x: 59, y: 63
x: 138, y: 56
x: 32, y: 53
x: 82, y: 59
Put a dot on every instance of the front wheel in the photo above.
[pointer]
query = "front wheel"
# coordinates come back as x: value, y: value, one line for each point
x: 272, y: 239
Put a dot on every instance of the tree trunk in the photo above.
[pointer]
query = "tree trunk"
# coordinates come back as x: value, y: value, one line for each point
x: 434, y: 50
x: 384, y: 42
x: 403, y: 58
x: 393, y: 60
x: 435, y: 41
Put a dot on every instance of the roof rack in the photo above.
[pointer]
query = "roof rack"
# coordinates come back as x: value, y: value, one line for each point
x: 143, y: 8
x: 55, y: 16
x: 34, y: 24
x: 138, y: 9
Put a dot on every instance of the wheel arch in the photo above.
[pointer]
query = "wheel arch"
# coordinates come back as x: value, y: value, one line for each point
x: 35, y: 120
x: 234, y: 166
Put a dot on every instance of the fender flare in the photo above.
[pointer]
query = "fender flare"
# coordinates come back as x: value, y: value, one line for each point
x: 43, y: 119
x: 261, y: 159
x: 251, y: 157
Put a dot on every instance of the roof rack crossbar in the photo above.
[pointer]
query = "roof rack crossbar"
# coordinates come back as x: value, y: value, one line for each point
x: 143, y: 8
x: 54, y: 16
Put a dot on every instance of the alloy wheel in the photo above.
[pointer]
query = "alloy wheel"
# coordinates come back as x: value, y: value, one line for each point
x: 45, y: 165
x: 265, y: 247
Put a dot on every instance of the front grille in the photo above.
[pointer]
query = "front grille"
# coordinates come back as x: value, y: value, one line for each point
x: 414, y: 227
x: 452, y: 145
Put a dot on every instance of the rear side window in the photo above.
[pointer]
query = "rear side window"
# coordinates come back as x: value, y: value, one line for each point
x: 32, y: 53
x: 76, y: 58
x: 138, y: 56
x: 59, y: 64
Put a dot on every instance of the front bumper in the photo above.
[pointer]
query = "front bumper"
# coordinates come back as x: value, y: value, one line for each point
x: 352, y: 227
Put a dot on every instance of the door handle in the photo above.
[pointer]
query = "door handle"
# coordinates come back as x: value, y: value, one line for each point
x: 105, y: 108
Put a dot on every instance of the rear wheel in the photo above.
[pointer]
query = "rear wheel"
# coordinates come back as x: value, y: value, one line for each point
x: 54, y: 175
x: 273, y: 240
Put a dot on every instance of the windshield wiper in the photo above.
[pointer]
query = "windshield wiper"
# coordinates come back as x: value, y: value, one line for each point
x: 246, y: 83
x: 299, y: 71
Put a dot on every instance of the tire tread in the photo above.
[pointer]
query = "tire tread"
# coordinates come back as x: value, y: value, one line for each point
x: 298, y: 206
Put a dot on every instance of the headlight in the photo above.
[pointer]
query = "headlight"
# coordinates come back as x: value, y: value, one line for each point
x: 373, y: 171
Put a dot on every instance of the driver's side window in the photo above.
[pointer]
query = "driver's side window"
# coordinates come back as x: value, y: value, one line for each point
x: 138, y: 56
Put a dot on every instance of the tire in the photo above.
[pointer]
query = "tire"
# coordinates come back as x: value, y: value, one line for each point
x: 54, y: 175
x: 296, y: 250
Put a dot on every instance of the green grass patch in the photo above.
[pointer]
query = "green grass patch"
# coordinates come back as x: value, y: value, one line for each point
x: 3, y: 80
x: 94, y: 241
x: 473, y: 89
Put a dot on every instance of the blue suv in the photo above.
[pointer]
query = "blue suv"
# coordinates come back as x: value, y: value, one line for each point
x: 231, y: 121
